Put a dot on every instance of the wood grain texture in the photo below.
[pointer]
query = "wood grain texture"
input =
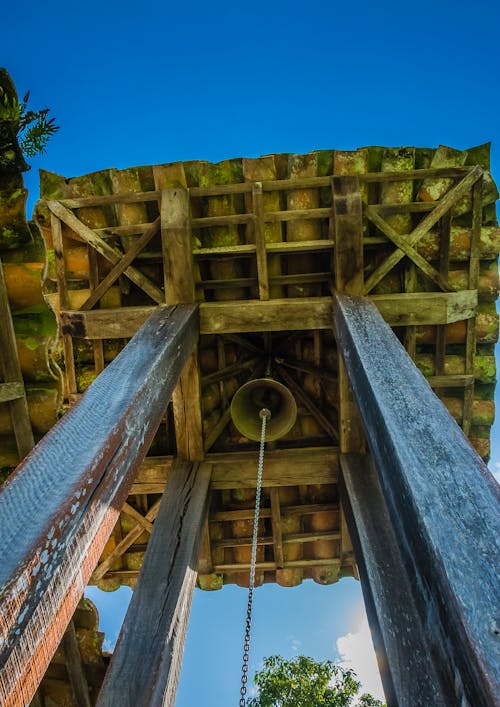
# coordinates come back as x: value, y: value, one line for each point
x: 442, y: 500
x: 401, y: 644
x: 77, y: 478
x: 12, y: 376
x: 151, y: 642
x: 74, y: 666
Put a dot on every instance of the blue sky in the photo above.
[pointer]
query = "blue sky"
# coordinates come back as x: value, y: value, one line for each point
x: 163, y: 81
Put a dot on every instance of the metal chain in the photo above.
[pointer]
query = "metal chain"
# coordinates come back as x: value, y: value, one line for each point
x: 265, y: 416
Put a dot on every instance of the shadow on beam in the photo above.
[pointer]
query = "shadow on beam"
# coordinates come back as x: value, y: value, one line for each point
x: 441, y: 499
x: 59, y: 507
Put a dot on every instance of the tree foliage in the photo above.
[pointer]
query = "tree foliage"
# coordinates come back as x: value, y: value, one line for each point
x: 33, y: 128
x: 305, y: 682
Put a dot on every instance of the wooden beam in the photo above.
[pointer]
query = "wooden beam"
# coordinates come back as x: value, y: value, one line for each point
x: 146, y: 664
x: 77, y: 479
x: 178, y: 274
x: 277, y: 315
x: 401, y: 644
x: 74, y: 666
x: 11, y: 369
x: 11, y: 391
x: 277, y: 538
x: 441, y: 498
x: 114, y: 256
x: 444, y: 205
x: 317, y: 465
x: 260, y: 241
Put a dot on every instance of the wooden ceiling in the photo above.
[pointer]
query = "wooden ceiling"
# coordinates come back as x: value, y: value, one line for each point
x: 253, y: 241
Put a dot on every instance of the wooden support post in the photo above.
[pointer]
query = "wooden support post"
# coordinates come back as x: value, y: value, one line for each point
x: 74, y: 665
x: 398, y: 635
x: 178, y: 272
x: 145, y: 667
x: 59, y: 507
x: 13, y: 387
x: 441, y: 499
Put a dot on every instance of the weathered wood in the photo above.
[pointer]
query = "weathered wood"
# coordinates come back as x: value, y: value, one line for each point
x: 151, y: 641
x: 442, y: 501
x: 282, y: 468
x: 122, y: 265
x: 114, y: 256
x: 400, y: 641
x: 11, y: 369
x: 11, y: 391
x: 77, y: 478
x: 179, y: 281
x: 446, y: 203
x: 402, y: 243
x: 260, y: 241
x: 277, y: 537
x: 131, y: 512
x: 348, y: 226
x: 75, y: 668
x: 418, y: 308
x: 247, y: 513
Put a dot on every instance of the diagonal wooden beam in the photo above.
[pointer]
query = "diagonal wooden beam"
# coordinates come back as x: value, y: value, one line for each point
x: 122, y: 265
x: 444, y: 205
x: 124, y: 544
x: 114, y: 256
x: 401, y: 242
x: 151, y: 642
x: 77, y: 479
x: 441, y: 499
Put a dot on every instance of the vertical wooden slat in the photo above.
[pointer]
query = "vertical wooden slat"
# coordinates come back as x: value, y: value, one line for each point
x: 12, y: 374
x: 444, y: 263
x: 69, y: 360
x: 97, y: 344
x: 277, y: 527
x: 441, y: 499
x: 75, y: 668
x: 260, y: 241
x: 470, y: 345
x: 180, y: 288
x: 145, y: 667
x: 61, y: 504
x: 348, y: 263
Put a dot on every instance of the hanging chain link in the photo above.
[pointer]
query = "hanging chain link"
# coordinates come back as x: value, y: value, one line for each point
x: 265, y: 416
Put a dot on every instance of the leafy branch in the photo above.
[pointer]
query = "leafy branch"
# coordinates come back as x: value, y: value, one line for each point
x: 33, y: 128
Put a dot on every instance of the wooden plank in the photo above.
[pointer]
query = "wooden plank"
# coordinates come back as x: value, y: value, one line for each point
x: 348, y: 227
x: 77, y: 478
x: 12, y: 374
x: 282, y: 468
x: 131, y: 512
x: 401, y: 242
x: 260, y: 241
x: 247, y: 513
x: 11, y: 391
x: 69, y: 359
x: 114, y: 256
x: 122, y: 265
x: 97, y: 345
x: 306, y: 401
x: 75, y: 668
x: 124, y: 544
x: 444, y: 205
x: 277, y: 537
x: 151, y: 641
x: 388, y: 592
x: 442, y: 500
x: 277, y: 315
x: 470, y: 344
x: 178, y: 274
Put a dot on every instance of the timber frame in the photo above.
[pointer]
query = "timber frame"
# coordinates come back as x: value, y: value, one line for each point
x: 256, y: 254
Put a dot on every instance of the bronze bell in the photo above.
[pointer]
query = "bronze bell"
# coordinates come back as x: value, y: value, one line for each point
x: 263, y: 393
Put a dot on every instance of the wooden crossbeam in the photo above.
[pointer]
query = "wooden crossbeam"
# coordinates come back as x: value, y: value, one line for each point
x: 114, y: 256
x: 122, y: 265
x: 151, y: 640
x: 77, y: 479
x: 401, y: 242
x: 260, y: 241
x: 444, y: 205
x: 403, y: 309
x: 441, y: 499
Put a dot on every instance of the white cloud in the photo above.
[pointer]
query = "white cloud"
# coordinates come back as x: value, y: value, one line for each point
x: 357, y: 653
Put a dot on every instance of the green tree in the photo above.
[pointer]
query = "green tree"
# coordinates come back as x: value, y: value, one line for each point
x: 305, y: 682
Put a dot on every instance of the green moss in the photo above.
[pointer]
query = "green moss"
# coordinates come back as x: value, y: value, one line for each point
x: 52, y: 185
x: 31, y: 326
